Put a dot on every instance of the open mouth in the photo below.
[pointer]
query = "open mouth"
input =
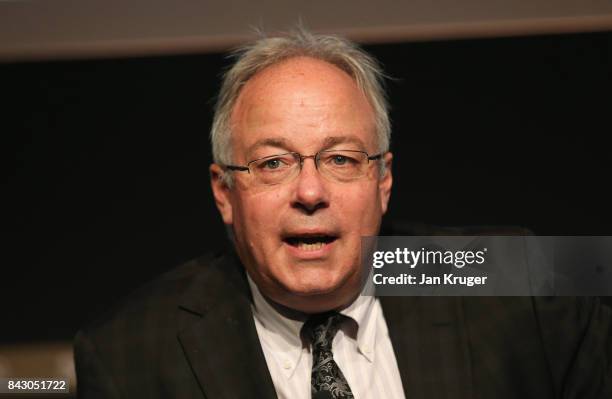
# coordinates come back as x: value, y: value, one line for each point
x: 309, y: 243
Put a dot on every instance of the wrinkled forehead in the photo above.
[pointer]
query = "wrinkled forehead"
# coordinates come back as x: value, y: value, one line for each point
x: 302, y: 104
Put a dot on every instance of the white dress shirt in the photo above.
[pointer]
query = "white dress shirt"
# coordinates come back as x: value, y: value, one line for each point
x: 362, y: 349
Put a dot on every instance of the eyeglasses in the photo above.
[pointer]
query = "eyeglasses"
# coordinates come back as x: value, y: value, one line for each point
x: 337, y: 165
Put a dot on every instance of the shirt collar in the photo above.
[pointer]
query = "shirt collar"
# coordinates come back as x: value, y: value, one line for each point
x: 363, y: 311
x: 287, y: 346
x: 285, y: 341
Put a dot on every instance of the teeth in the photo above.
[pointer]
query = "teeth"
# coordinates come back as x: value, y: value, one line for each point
x: 310, y: 247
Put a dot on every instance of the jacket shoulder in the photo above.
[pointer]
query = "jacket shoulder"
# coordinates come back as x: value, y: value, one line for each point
x: 154, y: 302
x: 132, y: 347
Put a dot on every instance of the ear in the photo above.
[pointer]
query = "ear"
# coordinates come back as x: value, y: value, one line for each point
x: 385, y: 182
x: 221, y: 192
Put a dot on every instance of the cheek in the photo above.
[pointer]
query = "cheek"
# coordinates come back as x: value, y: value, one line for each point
x: 257, y: 213
x: 360, y: 208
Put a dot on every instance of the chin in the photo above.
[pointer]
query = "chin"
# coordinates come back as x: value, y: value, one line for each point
x: 318, y: 291
x: 315, y: 303
x: 304, y: 289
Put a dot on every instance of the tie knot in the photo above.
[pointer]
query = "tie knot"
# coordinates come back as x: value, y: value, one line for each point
x: 322, y: 328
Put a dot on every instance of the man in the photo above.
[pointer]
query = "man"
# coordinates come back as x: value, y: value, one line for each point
x: 302, y: 171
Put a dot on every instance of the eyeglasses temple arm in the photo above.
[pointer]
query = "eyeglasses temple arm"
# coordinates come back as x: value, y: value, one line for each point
x: 236, y: 167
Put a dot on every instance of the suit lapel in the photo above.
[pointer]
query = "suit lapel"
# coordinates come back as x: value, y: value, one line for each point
x: 430, y: 345
x: 219, y: 338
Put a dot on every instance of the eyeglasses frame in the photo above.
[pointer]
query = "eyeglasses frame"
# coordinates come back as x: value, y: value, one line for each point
x: 246, y: 168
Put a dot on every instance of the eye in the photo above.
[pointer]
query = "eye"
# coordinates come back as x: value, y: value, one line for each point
x: 339, y: 160
x: 272, y: 163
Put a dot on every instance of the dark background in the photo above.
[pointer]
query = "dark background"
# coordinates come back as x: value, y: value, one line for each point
x: 107, y: 160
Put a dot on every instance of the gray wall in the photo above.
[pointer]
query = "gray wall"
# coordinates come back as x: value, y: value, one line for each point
x: 37, y: 29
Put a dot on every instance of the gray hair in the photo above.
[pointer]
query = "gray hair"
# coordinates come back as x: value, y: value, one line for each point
x: 252, y: 58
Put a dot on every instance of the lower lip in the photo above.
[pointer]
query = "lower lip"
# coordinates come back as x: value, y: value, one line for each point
x: 312, y: 254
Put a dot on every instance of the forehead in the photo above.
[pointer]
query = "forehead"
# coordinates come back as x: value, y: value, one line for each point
x: 301, y: 102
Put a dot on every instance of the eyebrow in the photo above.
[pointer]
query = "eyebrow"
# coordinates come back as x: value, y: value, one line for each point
x: 283, y: 143
x: 334, y: 140
x: 269, y: 142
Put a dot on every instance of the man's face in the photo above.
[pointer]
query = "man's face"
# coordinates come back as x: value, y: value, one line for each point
x: 303, y: 105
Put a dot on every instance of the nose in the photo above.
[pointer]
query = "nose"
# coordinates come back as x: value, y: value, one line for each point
x: 310, y: 190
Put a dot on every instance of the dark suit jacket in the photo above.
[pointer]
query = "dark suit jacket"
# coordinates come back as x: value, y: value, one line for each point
x: 190, y: 334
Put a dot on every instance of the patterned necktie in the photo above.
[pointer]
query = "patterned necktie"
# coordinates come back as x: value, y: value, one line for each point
x: 326, y: 375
